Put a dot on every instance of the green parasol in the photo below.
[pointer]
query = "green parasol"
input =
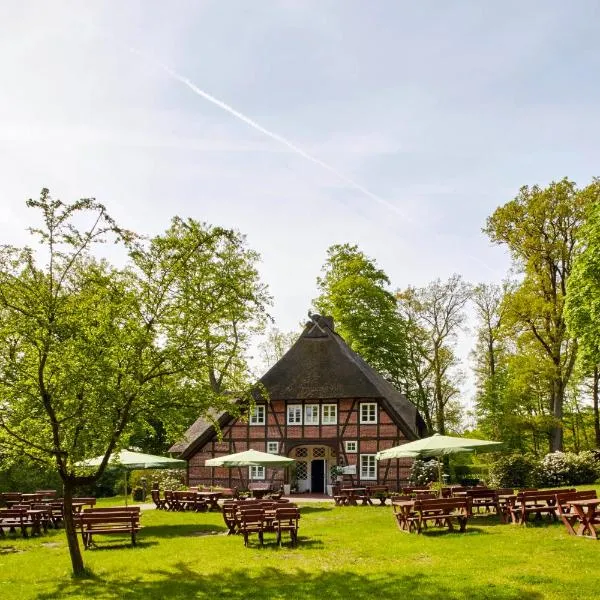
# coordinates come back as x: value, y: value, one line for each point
x: 437, y: 446
x: 134, y: 461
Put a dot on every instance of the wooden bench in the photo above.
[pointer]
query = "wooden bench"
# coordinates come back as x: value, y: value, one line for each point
x: 118, y: 520
x: 10, y: 498
x: 569, y: 515
x: 535, y: 502
x: 481, y: 498
x: 379, y: 492
x: 258, y: 490
x: 20, y: 518
x: 286, y: 519
x: 251, y: 520
x: 439, y: 511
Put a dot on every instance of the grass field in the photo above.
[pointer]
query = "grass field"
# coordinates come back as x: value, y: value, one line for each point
x: 344, y: 553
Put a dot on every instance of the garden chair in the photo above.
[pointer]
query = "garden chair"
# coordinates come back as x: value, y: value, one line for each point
x: 286, y: 519
x: 251, y: 520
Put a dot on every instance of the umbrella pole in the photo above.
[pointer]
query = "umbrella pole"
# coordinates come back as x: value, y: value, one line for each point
x: 126, y: 481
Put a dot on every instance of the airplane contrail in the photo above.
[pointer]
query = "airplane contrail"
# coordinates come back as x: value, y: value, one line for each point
x: 271, y: 134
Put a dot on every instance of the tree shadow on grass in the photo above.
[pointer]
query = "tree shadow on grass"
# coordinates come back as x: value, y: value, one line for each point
x: 124, y: 545
x: 187, y: 529
x: 307, y: 510
x: 182, y: 582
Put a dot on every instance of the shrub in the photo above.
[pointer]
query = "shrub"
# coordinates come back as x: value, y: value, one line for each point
x: 138, y: 494
x: 583, y: 467
x: 423, y: 472
x: 167, y: 479
x: 514, y: 470
x: 553, y: 470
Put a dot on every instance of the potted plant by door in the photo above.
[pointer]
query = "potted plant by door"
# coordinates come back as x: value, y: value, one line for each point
x: 291, y: 485
x: 336, y: 473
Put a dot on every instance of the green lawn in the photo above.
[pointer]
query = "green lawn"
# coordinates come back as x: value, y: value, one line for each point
x: 345, y: 553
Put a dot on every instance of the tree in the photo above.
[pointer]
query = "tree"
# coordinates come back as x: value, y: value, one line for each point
x: 582, y: 307
x: 354, y: 292
x: 275, y: 344
x: 436, y: 313
x: 88, y: 350
x: 490, y: 357
x: 540, y: 228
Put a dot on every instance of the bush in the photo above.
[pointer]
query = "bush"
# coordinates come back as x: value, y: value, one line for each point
x: 167, y: 479
x: 423, y: 472
x: 553, y: 470
x: 514, y: 470
x: 23, y: 476
x: 138, y: 494
x: 583, y: 467
x: 568, y: 468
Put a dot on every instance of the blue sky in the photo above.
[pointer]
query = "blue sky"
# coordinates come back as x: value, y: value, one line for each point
x: 442, y: 109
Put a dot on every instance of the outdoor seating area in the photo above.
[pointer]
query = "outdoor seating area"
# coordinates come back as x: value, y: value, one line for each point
x: 577, y: 510
x: 119, y: 520
x: 254, y: 516
x: 34, y: 513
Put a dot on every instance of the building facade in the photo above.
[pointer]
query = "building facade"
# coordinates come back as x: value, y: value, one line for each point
x: 326, y: 407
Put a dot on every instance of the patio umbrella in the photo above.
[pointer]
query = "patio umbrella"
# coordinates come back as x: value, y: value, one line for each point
x: 249, y: 458
x: 134, y: 461
x: 437, y: 446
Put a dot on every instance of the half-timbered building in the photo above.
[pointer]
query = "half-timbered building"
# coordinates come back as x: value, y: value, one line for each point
x: 326, y: 406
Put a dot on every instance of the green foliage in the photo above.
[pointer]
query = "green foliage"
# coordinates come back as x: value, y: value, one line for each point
x: 423, y: 472
x: 354, y: 291
x: 434, y: 315
x: 541, y: 228
x: 582, y: 309
x: 513, y: 470
x: 91, y: 354
x: 24, y: 476
x: 568, y: 468
x: 555, y: 469
x: 167, y: 479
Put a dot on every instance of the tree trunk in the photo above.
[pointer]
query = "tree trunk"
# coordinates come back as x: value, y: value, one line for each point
x: 595, y: 400
x: 71, y: 532
x: 556, y: 432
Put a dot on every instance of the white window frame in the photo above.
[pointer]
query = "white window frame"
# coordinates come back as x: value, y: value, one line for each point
x: 294, y: 414
x: 256, y: 472
x: 329, y: 420
x: 258, y: 415
x: 351, y: 446
x: 367, y: 406
x: 313, y: 409
x: 273, y: 447
x: 366, y: 475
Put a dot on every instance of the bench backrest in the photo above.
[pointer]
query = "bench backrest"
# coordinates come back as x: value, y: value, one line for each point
x: 89, y: 501
x: 445, y: 504
x: 17, y: 514
x: 289, y: 515
x: 250, y: 516
x: 479, y: 493
x: 260, y: 486
x: 543, y: 495
x: 102, y: 518
x: 112, y: 509
x: 565, y: 497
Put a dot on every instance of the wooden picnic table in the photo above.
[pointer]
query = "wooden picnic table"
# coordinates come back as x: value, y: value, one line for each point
x: 503, y: 502
x: 211, y: 498
x: 402, y: 511
x: 354, y: 494
x: 588, y: 515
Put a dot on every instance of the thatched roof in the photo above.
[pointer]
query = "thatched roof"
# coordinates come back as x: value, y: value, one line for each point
x: 321, y: 366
